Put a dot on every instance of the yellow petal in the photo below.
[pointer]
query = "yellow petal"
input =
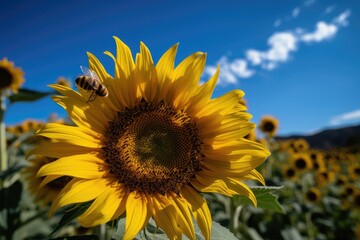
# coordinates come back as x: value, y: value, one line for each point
x: 186, y: 85
x: 146, y: 75
x: 137, y: 214
x: 199, y: 208
x: 203, y: 95
x: 255, y: 175
x: 184, y: 217
x: 78, y: 109
x: 51, y: 149
x: 165, y: 69
x: 221, y: 105
x: 165, y: 218
x: 82, y: 166
x: 124, y: 57
x: 109, y: 104
x: 78, y: 191
x: 69, y: 134
x: 240, y: 167
x: 202, y: 184
x: 103, y: 208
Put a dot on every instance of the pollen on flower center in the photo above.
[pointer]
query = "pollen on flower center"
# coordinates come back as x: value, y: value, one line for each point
x: 5, y: 77
x: 153, y: 148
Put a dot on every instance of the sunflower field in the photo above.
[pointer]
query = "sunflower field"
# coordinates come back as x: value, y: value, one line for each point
x: 157, y: 157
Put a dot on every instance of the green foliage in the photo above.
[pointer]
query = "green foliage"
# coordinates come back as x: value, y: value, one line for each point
x: 27, y: 95
x: 71, y: 214
x: 266, y: 199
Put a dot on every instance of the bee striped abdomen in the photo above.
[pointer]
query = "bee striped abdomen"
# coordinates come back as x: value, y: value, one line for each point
x: 84, y: 83
x: 102, y: 91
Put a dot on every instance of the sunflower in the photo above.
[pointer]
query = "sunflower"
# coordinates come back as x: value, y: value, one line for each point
x: 63, y: 81
x: 50, y: 189
x: 317, y: 159
x: 152, y: 145
x: 313, y: 195
x: 324, y: 177
x: 269, y: 125
x: 290, y: 173
x: 10, y: 77
x: 354, y: 171
x: 301, y: 161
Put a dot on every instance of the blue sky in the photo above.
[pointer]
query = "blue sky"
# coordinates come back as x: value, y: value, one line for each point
x: 295, y: 60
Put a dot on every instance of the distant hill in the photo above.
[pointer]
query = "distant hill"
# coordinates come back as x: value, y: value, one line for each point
x: 326, y: 139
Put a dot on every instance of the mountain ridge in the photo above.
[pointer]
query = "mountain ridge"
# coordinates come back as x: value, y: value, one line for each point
x: 330, y: 138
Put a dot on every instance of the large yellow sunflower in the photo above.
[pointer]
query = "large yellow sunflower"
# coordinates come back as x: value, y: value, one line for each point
x: 10, y: 77
x: 152, y: 145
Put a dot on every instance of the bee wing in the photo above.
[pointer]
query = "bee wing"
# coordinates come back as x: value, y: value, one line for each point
x: 89, y: 72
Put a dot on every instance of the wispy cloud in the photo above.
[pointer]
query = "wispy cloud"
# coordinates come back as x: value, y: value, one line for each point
x: 308, y: 3
x: 330, y: 9
x: 277, y: 22
x: 346, y: 118
x: 295, y: 12
x: 281, y: 46
x: 342, y: 19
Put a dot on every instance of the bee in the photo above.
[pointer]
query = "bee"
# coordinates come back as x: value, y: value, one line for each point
x: 90, y: 81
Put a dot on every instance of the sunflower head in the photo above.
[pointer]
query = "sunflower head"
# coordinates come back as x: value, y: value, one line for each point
x: 11, y: 77
x: 152, y: 145
x: 63, y: 82
x: 269, y: 125
x: 290, y: 173
x: 317, y: 159
x: 313, y: 195
x: 301, y: 161
x: 44, y: 190
x: 354, y: 171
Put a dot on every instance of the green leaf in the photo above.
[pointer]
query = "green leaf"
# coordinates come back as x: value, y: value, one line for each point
x: 219, y: 232
x: 72, y: 214
x: 27, y: 95
x: 11, y: 170
x: 11, y: 196
x: 291, y: 234
x: 81, y: 237
x: 266, y: 199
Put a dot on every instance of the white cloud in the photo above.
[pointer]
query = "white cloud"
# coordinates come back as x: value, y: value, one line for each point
x: 295, y: 13
x: 230, y: 71
x: 323, y: 31
x: 330, y: 9
x: 254, y: 56
x: 346, y: 118
x: 341, y: 20
x: 281, y: 45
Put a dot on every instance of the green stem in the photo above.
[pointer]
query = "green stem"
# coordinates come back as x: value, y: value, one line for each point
x: 3, y: 154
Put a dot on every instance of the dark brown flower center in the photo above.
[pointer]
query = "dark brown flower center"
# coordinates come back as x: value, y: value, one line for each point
x: 268, y: 127
x: 6, y: 77
x: 290, y: 172
x: 153, y: 148
x: 300, y: 163
x: 312, y: 196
